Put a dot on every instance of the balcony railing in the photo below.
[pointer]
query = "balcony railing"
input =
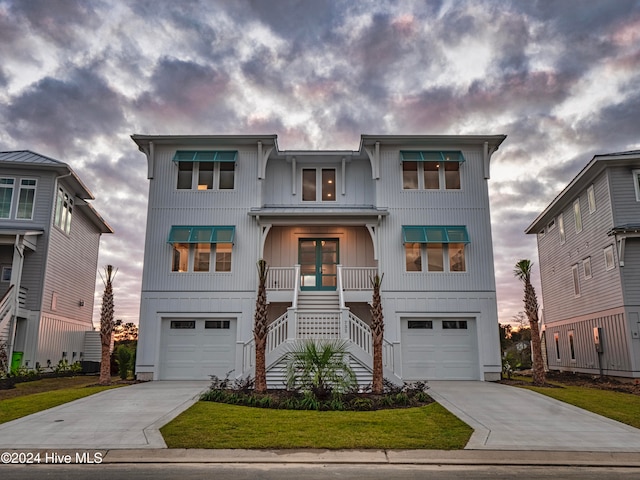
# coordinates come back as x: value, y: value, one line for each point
x: 353, y: 278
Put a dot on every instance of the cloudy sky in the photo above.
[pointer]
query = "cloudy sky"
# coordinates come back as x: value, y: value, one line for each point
x: 560, y: 78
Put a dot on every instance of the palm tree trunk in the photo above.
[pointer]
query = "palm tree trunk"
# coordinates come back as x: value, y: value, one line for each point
x: 106, y: 326
x: 260, y: 328
x: 377, y: 332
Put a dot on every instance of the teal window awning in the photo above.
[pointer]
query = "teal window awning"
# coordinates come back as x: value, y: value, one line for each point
x: 202, y: 234
x: 431, y: 156
x: 435, y: 234
x: 205, y: 156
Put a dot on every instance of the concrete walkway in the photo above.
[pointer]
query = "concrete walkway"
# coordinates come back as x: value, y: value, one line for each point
x: 511, y: 418
x: 128, y: 417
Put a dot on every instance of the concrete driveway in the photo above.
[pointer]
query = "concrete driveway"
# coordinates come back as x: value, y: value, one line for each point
x: 511, y: 418
x: 127, y: 417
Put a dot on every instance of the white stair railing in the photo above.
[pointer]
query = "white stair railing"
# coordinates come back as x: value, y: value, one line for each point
x: 277, y: 332
x: 296, y: 287
x: 359, y: 333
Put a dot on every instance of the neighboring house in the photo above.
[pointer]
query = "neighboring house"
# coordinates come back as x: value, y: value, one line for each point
x: 412, y: 207
x: 589, y: 249
x: 49, y: 240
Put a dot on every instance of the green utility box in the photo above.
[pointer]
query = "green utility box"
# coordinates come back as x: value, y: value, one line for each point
x: 16, y: 360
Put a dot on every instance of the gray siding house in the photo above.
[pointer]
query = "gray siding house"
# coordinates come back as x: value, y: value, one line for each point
x: 49, y: 240
x: 589, y: 250
x: 414, y: 208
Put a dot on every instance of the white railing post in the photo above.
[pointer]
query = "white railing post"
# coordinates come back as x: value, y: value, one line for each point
x: 296, y: 287
x: 344, y: 324
x: 292, y: 323
x: 339, y: 287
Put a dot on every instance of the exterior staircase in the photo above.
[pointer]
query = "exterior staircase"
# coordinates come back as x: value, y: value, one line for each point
x: 7, y: 310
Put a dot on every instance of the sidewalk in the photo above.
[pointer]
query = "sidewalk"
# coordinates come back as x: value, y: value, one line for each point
x: 369, y: 457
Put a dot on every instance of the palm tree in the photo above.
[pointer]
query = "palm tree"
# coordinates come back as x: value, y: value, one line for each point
x: 320, y: 367
x: 260, y: 327
x: 377, y: 332
x: 522, y: 271
x: 106, y: 324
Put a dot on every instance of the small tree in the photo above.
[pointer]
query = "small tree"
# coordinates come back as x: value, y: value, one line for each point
x: 260, y: 327
x: 106, y: 324
x: 522, y: 271
x: 320, y: 367
x: 377, y: 332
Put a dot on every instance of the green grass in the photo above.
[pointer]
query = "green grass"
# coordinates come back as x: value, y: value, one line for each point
x: 620, y: 406
x: 217, y: 425
x: 22, y: 403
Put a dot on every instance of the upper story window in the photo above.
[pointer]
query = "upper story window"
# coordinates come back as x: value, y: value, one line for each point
x: 608, y: 258
x: 443, y: 248
x: 26, y: 198
x: 591, y: 197
x: 199, y: 248
x: 636, y: 184
x: 206, y: 169
x: 431, y: 170
x: 563, y: 237
x: 577, y: 216
x: 6, y: 196
x: 586, y: 267
x: 318, y: 184
x: 576, y: 280
x: 64, y: 210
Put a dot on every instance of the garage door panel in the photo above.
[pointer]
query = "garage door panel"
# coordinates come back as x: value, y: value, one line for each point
x: 431, y: 352
x: 189, y: 351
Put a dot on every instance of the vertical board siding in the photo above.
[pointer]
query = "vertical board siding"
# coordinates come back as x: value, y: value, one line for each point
x: 615, y: 356
x: 602, y: 291
x: 72, y: 269
x: 58, y: 334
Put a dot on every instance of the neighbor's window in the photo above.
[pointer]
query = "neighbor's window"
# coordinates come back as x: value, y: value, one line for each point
x: 6, y: 196
x: 608, y: 258
x: 576, y: 214
x: 556, y: 341
x: 64, y: 211
x: 636, y: 184
x: 26, y: 198
x: 591, y: 197
x: 563, y: 237
x: 586, y: 266
x: 576, y: 280
x: 572, y: 350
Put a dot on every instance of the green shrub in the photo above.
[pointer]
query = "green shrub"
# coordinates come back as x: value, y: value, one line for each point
x: 123, y: 359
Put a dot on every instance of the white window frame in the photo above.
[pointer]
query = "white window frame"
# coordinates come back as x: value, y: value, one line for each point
x: 586, y: 266
x: 563, y: 235
x: 319, y: 198
x: 12, y: 187
x: 576, y: 280
x: 636, y: 184
x: 577, y: 215
x: 63, y: 222
x: 591, y: 198
x: 22, y: 187
x: 191, y: 259
x: 215, y: 182
x: 446, y: 259
x: 442, y: 181
x: 609, y: 250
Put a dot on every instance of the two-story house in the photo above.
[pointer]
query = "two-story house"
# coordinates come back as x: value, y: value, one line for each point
x: 589, y: 250
x: 412, y: 207
x: 49, y: 240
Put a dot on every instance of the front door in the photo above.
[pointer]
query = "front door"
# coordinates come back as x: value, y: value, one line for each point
x: 318, y: 259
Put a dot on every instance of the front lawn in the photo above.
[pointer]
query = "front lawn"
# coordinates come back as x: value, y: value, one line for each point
x: 620, y: 406
x: 217, y: 425
x: 32, y: 397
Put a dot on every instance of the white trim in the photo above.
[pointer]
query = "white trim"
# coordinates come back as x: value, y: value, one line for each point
x: 33, y: 203
x: 607, y: 265
x: 591, y: 198
x: 636, y: 183
x: 576, y: 280
x: 577, y: 215
x: 585, y: 262
x: 561, y: 231
x: 13, y: 188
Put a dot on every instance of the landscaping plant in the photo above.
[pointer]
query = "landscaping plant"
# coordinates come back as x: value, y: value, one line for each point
x: 261, y: 320
x: 106, y: 325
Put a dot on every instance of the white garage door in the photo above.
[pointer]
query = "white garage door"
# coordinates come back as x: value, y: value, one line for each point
x: 439, y: 349
x: 194, y: 349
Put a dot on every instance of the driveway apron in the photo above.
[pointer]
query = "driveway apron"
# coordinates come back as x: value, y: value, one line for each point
x: 511, y: 418
x: 127, y: 417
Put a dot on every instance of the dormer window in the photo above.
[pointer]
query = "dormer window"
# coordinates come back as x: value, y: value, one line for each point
x: 318, y: 184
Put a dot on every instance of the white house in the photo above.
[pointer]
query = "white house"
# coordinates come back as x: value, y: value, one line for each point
x: 49, y: 242
x: 412, y: 207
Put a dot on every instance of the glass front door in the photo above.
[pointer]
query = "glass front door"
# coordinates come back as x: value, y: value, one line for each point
x: 318, y: 259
